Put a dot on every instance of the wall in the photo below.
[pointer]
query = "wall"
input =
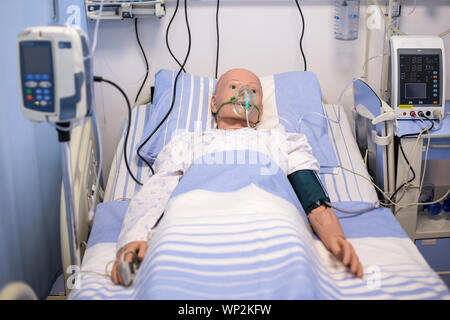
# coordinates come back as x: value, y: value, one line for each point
x: 30, y: 168
x: 259, y: 35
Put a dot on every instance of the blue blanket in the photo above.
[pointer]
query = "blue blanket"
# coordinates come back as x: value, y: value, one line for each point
x: 243, y: 235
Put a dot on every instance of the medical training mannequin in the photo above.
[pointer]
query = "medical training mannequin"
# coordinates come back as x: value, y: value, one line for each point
x: 323, y: 220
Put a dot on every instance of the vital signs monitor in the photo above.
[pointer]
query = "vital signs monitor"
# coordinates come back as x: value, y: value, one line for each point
x: 417, y: 76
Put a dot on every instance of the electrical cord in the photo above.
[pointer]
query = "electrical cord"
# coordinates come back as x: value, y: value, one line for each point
x: 167, y: 36
x: 388, y: 198
x: 100, y: 79
x: 422, y: 115
x: 419, y: 134
x: 174, y: 88
x: 410, y: 168
x: 438, y: 115
x: 303, y: 33
x: 145, y: 58
x: 426, y: 152
x: 428, y: 203
x: 371, y: 182
x: 359, y: 211
x: 217, y: 39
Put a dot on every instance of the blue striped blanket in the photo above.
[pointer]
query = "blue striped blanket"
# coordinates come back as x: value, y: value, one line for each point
x: 251, y: 240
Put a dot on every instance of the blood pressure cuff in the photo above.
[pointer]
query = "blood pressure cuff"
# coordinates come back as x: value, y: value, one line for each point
x: 309, y: 189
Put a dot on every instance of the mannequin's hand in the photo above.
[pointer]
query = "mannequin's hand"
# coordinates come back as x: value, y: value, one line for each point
x: 138, y: 247
x: 344, y: 251
x: 326, y: 226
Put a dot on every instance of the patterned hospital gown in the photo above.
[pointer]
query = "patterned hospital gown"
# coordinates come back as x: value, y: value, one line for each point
x: 289, y: 151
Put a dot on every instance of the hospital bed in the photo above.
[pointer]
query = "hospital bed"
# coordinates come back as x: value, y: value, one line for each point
x: 393, y: 267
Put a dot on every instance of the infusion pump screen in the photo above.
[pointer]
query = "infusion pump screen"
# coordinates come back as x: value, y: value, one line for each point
x: 419, y: 79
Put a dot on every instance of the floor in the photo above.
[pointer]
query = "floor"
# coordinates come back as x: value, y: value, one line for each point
x: 58, y: 290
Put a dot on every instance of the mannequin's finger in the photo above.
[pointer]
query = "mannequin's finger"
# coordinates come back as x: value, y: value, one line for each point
x: 346, y: 251
x: 360, y: 270
x: 142, y: 251
x: 115, y: 273
x: 130, y: 252
x: 119, y: 278
x: 354, y: 265
x: 335, y: 248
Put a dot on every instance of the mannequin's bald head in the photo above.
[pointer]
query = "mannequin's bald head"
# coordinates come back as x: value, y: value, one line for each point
x: 226, y: 88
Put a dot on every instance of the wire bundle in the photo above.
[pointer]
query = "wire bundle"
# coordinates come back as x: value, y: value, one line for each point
x: 182, y: 68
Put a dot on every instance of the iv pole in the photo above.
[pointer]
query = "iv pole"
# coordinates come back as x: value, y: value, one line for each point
x: 72, y: 231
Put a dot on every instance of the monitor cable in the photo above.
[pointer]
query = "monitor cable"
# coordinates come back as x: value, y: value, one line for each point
x: 303, y: 33
x: 100, y: 79
x: 217, y: 37
x: 174, y: 88
x: 145, y: 59
x: 167, y: 36
x: 418, y: 134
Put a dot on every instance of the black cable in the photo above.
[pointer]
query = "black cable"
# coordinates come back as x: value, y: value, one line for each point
x: 410, y: 167
x: 167, y: 36
x: 145, y: 58
x: 217, y: 39
x: 421, y: 114
x: 303, y: 32
x: 404, y: 155
x: 174, y: 88
x: 100, y: 79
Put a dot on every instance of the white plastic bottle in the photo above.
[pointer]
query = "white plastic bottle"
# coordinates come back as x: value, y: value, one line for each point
x: 346, y: 19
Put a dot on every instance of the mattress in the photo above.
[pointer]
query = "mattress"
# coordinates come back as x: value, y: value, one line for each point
x: 394, y: 268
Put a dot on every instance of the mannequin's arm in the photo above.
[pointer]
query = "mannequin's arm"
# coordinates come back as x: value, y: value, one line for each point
x: 323, y: 220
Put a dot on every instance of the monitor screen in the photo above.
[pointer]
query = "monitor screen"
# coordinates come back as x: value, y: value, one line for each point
x: 36, y: 59
x: 415, y: 90
x: 419, y: 78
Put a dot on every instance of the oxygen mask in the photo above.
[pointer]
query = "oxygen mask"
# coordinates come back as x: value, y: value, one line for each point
x: 243, y: 105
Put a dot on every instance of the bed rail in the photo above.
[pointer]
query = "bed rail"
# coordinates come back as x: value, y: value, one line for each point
x: 84, y: 158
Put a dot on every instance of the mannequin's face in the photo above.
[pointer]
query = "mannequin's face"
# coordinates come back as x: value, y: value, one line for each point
x: 227, y: 87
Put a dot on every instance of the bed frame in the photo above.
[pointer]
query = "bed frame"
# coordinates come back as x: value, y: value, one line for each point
x: 84, y: 158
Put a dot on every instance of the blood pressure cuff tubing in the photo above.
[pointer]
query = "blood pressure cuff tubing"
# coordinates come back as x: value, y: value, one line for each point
x: 309, y: 189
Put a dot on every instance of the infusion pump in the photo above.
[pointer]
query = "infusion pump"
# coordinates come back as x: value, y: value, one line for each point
x: 55, y: 78
x: 417, y: 76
